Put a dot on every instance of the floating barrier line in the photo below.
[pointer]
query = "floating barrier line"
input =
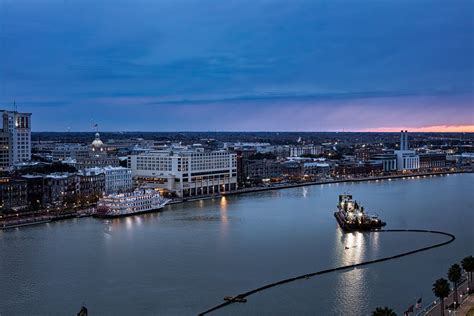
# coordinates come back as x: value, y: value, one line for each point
x: 241, y: 296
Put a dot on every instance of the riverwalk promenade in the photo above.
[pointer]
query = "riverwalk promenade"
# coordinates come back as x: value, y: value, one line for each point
x: 42, y: 217
x: 465, y: 300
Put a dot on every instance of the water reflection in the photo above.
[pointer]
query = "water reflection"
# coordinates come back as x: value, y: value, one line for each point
x: 351, y: 284
x: 305, y: 192
x: 224, y: 217
x: 129, y: 223
x: 354, y: 247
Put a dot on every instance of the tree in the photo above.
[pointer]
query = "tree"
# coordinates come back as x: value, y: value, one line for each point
x: 261, y: 156
x: 441, y: 290
x: 454, y: 275
x: 383, y: 311
x: 468, y: 266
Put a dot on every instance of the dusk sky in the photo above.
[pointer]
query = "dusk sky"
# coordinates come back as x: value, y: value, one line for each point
x: 142, y: 65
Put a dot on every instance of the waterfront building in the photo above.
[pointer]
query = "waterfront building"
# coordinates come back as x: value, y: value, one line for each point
x: 461, y: 160
x: 60, y: 188
x: 293, y: 169
x: 91, y: 183
x: 301, y: 150
x: 406, y: 159
x: 367, y: 168
x: 389, y: 161
x: 258, y: 169
x: 35, y: 190
x: 13, y: 194
x: 117, y: 179
x: 16, y: 127
x: 316, y: 168
x: 187, y: 171
x: 432, y: 160
x: 242, y: 157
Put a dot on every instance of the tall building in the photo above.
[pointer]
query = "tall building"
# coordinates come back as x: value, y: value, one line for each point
x: 5, y: 156
x: 187, y: 171
x: 406, y: 159
x: 15, y: 138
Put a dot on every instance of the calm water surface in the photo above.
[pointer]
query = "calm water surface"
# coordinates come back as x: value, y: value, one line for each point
x: 186, y: 259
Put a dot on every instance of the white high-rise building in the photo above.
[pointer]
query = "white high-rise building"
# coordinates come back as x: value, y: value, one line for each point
x: 406, y: 159
x: 16, y: 127
x: 187, y: 171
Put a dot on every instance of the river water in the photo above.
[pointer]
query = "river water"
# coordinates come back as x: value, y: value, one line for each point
x: 185, y: 259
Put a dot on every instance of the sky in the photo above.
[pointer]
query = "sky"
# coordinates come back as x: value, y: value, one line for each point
x: 256, y: 65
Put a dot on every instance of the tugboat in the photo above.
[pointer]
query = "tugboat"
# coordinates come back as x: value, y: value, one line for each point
x: 352, y: 217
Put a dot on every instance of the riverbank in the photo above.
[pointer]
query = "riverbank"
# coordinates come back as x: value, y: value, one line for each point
x: 43, y: 218
x: 331, y: 181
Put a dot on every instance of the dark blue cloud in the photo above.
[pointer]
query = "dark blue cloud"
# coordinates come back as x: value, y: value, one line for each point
x: 106, y: 56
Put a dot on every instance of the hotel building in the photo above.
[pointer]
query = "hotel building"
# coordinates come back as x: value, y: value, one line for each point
x: 187, y: 171
x: 15, y: 138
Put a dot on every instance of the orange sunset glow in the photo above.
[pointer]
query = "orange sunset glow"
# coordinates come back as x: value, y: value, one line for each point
x: 427, y: 129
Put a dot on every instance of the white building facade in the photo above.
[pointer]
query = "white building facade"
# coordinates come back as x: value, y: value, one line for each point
x: 16, y: 127
x: 187, y: 171
x: 117, y: 179
x: 298, y: 151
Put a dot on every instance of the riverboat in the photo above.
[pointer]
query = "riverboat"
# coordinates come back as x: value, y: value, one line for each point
x: 126, y: 204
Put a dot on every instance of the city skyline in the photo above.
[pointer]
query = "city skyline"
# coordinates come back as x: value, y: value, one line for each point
x: 266, y: 66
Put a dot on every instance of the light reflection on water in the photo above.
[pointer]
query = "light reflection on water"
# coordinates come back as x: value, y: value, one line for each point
x: 224, y: 219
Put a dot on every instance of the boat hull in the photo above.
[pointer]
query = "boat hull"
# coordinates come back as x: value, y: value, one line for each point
x: 99, y: 215
x: 356, y: 226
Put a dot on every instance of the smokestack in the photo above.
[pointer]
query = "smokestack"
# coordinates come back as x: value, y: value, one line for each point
x: 406, y: 140
x: 402, y: 140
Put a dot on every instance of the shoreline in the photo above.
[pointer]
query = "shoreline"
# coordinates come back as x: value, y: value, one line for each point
x: 80, y: 214
x: 367, y: 179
